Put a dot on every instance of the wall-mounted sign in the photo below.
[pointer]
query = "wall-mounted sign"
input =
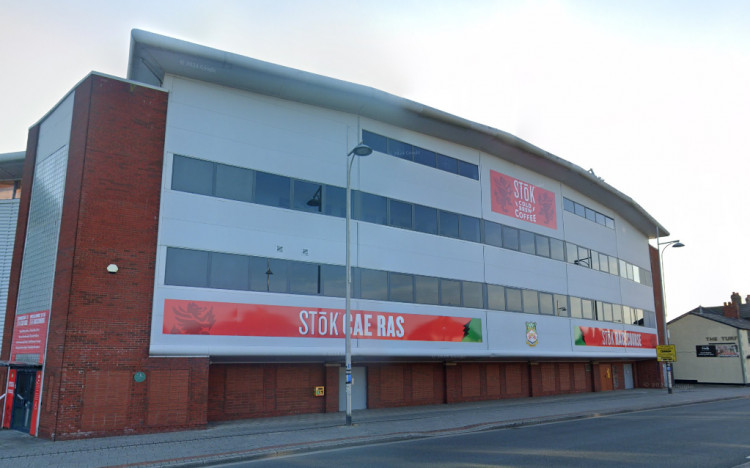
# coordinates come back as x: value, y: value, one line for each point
x: 319, y: 391
x: 593, y: 336
x: 666, y: 353
x: 227, y: 319
x: 29, y: 338
x: 522, y: 200
x: 717, y: 350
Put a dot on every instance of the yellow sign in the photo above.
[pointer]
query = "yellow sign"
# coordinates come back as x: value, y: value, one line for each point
x: 666, y: 353
x: 320, y: 391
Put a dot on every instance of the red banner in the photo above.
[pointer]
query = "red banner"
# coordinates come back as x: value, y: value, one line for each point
x: 522, y: 200
x: 9, y: 395
x: 30, y: 337
x: 591, y: 336
x: 226, y: 319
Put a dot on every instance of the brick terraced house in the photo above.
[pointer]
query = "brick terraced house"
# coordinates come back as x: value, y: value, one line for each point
x: 180, y: 255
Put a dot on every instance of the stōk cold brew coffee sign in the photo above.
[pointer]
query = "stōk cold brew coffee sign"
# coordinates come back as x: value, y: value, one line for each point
x: 522, y: 200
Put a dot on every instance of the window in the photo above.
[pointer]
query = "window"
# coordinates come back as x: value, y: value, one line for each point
x: 493, y: 234
x: 234, y: 183
x: 557, y: 249
x: 277, y: 275
x: 571, y: 252
x: 590, y: 214
x: 229, y: 271
x: 399, y: 149
x: 542, y: 245
x: 576, y: 309
x: 425, y: 219
x: 334, y: 201
x: 469, y: 228
x: 426, y: 289
x: 373, y: 284
x: 401, y: 287
x: 530, y: 301
x: 588, y: 309
x: 568, y: 205
x: 308, y: 196
x: 272, y: 190
x: 423, y: 156
x: 450, y: 292
x: 448, y: 224
x: 186, y: 268
x: 594, y: 260
x: 608, y: 312
x: 400, y: 214
x: 584, y: 257
x: 473, y: 295
x: 527, y: 242
x: 546, y: 304
x: 604, y: 263
x: 370, y: 208
x: 510, y: 238
x: 617, y: 313
x: 192, y: 175
x: 468, y: 170
x: 377, y: 142
x: 580, y: 210
x: 446, y: 163
x: 303, y: 278
x: 513, y: 300
x: 495, y: 297
x: 561, y: 305
x: 333, y: 280
x: 613, y: 265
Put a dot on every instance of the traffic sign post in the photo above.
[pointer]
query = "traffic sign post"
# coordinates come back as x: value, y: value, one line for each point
x: 666, y: 353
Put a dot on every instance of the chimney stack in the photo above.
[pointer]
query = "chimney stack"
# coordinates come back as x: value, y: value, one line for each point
x: 732, y: 309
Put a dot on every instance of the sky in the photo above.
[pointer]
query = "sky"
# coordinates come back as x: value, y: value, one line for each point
x: 654, y: 96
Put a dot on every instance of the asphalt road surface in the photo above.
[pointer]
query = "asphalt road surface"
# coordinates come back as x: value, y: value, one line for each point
x: 703, y: 435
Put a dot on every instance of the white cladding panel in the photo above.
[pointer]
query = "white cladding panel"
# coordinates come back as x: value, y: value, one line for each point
x: 242, y: 129
x: 8, y: 221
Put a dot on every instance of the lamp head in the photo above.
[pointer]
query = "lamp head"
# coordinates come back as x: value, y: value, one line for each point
x: 361, y: 150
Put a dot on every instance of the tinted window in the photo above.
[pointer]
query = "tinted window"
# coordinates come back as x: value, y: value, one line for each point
x: 308, y: 196
x: 373, y: 284
x: 186, y: 268
x: 468, y: 170
x: 576, y: 311
x: 561, y: 305
x: 234, y: 183
x: 278, y: 280
x: 376, y: 142
x: 192, y: 175
x: 594, y: 260
x: 600, y: 219
x: 260, y: 274
x: 399, y: 149
x: 542, y: 245
x: 627, y: 315
x: 473, y: 295
x: 333, y: 280
x: 604, y: 263
x: 590, y: 214
x: 571, y: 252
x: 272, y: 189
x: 513, y: 300
x: 334, y: 201
x: 369, y: 207
x: 423, y: 156
x: 527, y: 242
x: 448, y: 224
x: 588, y: 308
x: 400, y: 214
x: 425, y: 219
x: 568, y: 205
x: 303, y: 278
x: 608, y: 312
x: 613, y: 265
x: 426, y: 289
x: 530, y: 302
x: 229, y: 271
x: 617, y: 313
x: 610, y: 223
x: 446, y: 163
x: 401, y: 287
x: 493, y: 234
x: 469, y: 228
x: 546, y: 304
x: 495, y: 297
x: 584, y: 257
x: 557, y: 249
x: 450, y: 292
x: 580, y: 210
x: 510, y: 238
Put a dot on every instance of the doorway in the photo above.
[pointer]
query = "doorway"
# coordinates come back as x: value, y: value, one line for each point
x: 23, y: 400
x: 628, y: 371
x: 359, y: 388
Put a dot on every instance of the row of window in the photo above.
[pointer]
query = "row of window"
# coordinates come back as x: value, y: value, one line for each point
x: 217, y: 270
x: 235, y: 183
x: 419, y: 155
x: 588, y: 213
x: 10, y: 189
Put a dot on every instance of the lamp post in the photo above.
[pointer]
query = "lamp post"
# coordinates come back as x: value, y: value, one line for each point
x: 359, y: 150
x: 661, y: 247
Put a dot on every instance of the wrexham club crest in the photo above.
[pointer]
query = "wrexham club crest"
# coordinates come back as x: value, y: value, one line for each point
x: 531, y: 336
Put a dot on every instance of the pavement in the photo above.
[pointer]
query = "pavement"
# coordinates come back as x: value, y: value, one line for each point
x: 266, y: 437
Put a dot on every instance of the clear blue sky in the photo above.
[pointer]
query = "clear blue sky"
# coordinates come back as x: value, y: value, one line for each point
x: 653, y: 95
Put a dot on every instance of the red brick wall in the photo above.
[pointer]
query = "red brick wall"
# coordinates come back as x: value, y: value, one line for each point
x: 390, y: 385
x: 100, y: 323
x: 242, y: 391
x: 486, y: 381
x: 648, y: 374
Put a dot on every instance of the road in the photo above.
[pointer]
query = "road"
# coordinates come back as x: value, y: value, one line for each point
x: 702, y: 435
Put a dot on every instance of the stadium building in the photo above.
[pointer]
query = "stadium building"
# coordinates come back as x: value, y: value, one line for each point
x: 181, y: 248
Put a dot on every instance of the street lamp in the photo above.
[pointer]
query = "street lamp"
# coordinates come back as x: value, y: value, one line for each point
x: 359, y: 150
x: 661, y: 247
